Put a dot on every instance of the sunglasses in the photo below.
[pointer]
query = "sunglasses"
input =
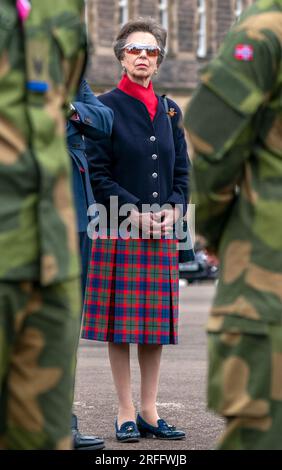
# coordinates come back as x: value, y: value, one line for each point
x: 136, y: 49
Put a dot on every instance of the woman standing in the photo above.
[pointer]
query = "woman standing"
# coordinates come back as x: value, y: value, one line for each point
x: 132, y: 290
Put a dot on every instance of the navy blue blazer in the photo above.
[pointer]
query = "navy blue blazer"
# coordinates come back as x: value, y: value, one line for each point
x: 94, y: 123
x: 141, y: 162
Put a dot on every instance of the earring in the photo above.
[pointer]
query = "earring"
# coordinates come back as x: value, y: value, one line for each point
x: 156, y: 72
x: 123, y: 69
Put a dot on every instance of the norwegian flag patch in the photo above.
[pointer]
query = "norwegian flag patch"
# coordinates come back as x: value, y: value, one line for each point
x: 244, y: 52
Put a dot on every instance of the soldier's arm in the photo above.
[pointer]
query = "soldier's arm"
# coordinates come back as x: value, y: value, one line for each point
x: 74, y: 71
x: 94, y: 119
x: 222, y: 121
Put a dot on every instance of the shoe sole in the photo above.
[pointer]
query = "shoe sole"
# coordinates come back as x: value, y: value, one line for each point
x: 97, y: 447
x: 130, y: 439
x: 151, y: 436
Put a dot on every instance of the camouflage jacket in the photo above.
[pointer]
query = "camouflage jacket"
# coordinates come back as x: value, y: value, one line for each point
x: 41, y: 61
x: 235, y: 125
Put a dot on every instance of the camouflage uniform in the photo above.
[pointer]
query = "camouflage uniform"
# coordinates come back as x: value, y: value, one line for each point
x: 235, y: 125
x: 41, y: 61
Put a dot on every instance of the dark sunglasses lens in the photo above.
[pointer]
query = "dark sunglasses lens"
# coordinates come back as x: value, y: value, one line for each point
x: 151, y: 51
x: 133, y: 50
x: 154, y: 52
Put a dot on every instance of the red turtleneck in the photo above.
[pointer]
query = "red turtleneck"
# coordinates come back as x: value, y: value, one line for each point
x: 146, y: 95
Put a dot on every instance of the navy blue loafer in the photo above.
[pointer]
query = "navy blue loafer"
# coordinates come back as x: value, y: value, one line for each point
x: 128, y: 432
x: 162, y: 431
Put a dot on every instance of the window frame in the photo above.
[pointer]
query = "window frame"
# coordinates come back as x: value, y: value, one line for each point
x: 163, y: 9
x: 238, y: 8
x: 202, y: 33
x: 123, y: 11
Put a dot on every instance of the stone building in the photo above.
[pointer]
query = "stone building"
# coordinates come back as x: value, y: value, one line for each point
x: 195, y: 30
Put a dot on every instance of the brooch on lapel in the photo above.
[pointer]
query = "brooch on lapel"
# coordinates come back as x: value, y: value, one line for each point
x: 171, y: 112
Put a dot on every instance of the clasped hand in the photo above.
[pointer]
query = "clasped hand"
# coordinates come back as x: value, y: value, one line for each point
x: 157, y: 224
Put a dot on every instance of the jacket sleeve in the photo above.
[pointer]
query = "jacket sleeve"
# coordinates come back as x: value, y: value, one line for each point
x: 180, y: 194
x: 100, y: 164
x: 95, y: 119
x: 223, y: 121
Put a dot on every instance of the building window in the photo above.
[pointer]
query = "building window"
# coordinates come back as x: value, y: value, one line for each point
x: 163, y: 13
x: 123, y: 11
x: 238, y: 8
x: 202, y: 29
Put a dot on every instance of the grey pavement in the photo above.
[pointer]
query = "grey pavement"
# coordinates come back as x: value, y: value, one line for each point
x: 182, y: 394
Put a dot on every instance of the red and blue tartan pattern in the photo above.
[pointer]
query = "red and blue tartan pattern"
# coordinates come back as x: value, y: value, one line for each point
x: 132, y: 292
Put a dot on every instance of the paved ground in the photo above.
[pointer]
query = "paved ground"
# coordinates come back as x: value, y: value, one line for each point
x: 182, y: 388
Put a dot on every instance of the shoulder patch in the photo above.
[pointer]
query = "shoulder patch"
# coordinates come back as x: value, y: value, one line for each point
x: 244, y: 52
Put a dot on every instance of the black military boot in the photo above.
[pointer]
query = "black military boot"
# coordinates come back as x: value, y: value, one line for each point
x: 81, y: 442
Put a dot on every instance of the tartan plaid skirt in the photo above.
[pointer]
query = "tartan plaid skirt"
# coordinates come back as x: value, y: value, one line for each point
x: 132, y: 292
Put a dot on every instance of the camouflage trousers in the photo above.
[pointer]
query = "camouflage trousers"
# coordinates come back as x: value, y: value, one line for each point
x: 39, y: 332
x: 245, y: 386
